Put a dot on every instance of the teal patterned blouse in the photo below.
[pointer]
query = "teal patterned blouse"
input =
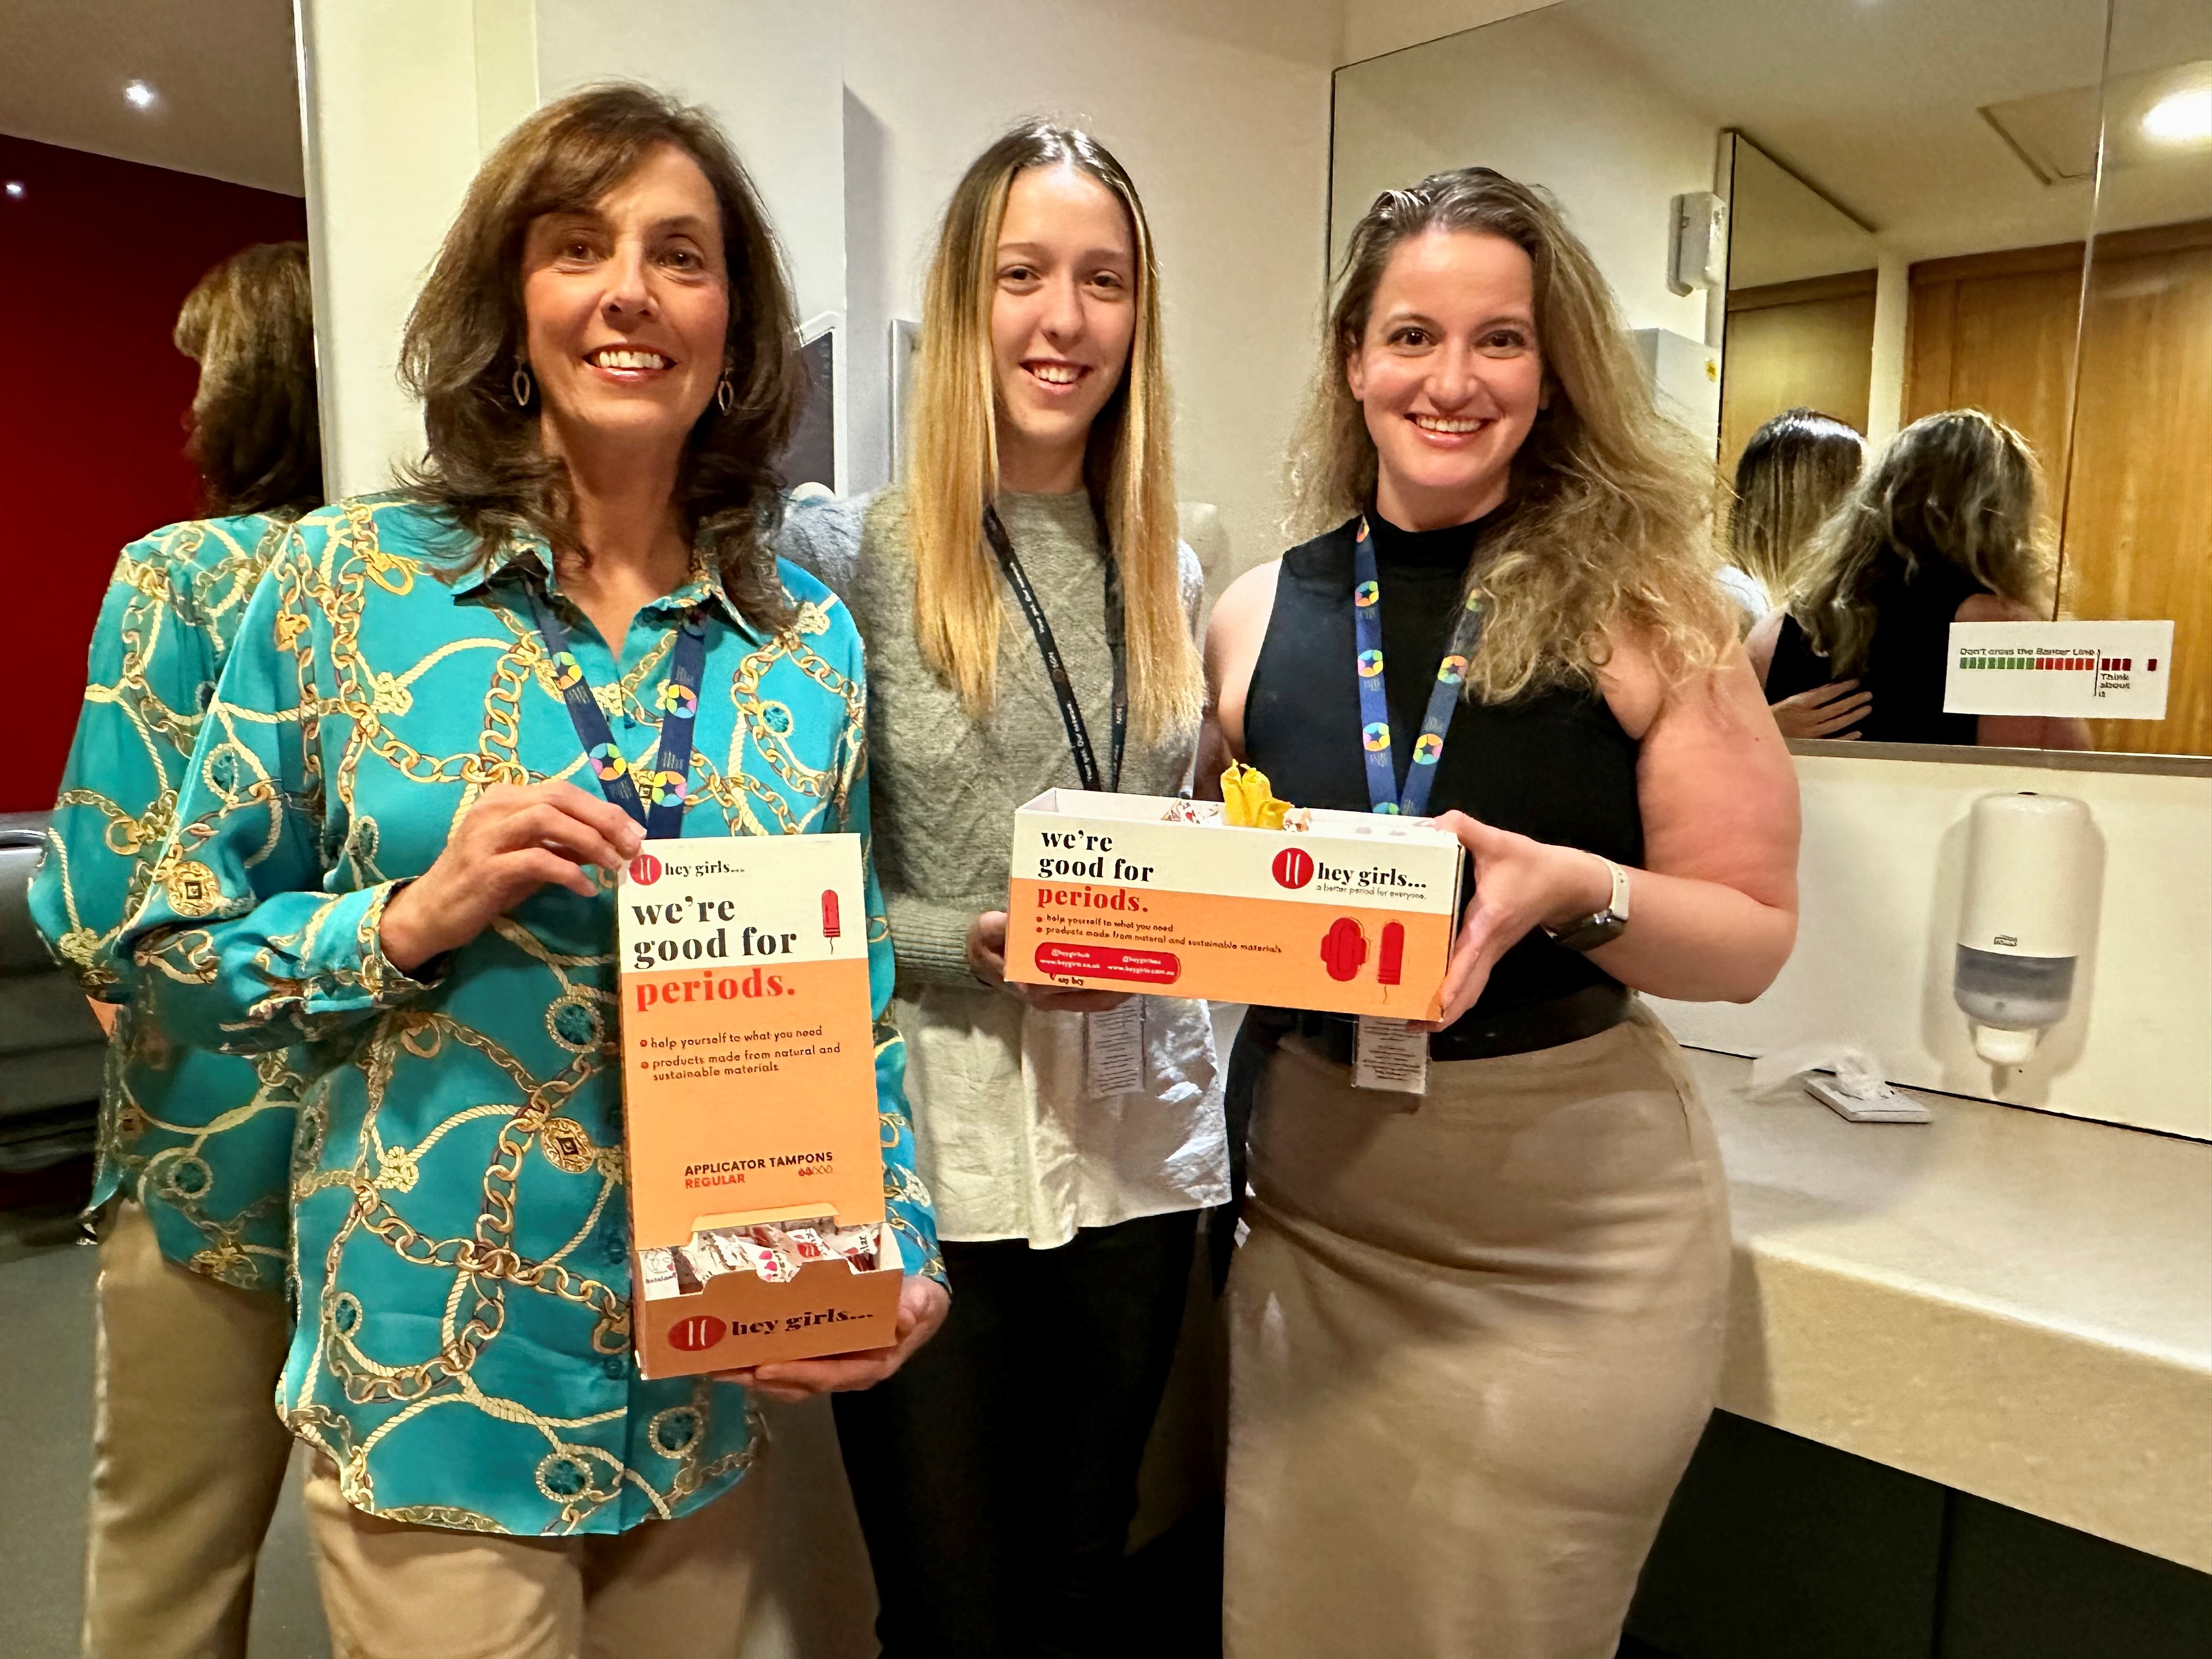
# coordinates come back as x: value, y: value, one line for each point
x: 213, y: 1187
x: 463, y: 1353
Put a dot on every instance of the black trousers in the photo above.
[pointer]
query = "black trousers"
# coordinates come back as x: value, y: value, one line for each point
x: 996, y: 1473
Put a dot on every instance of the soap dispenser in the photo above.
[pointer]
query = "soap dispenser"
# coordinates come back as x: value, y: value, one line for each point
x: 2030, y: 858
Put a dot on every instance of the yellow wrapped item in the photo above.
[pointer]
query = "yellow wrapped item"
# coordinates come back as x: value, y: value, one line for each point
x: 1247, y: 800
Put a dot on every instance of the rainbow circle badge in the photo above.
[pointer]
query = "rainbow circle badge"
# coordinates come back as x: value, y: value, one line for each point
x: 1366, y: 594
x: 607, y: 762
x: 669, y: 789
x: 1452, y: 669
x: 1426, y: 748
x: 679, y: 700
x: 567, y: 670
x: 1371, y: 664
x: 1376, y: 734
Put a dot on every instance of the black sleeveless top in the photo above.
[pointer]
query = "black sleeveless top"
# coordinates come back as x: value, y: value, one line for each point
x: 1906, y: 660
x: 1551, y: 764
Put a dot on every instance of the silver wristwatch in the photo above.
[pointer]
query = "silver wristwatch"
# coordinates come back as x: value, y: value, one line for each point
x: 1600, y: 926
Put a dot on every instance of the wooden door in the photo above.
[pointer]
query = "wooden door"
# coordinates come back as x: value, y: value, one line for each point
x: 1807, y: 343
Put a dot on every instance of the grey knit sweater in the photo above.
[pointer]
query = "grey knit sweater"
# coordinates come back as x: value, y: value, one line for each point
x: 1009, y: 1137
x: 943, y: 788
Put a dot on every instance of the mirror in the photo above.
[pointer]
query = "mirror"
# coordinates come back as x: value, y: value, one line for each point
x: 1917, y: 223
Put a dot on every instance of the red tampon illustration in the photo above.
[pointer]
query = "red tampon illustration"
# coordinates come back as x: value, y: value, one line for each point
x: 830, y: 927
x: 1393, y: 959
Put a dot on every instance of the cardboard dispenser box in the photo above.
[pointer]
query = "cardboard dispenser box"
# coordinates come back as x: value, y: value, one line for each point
x: 1144, y: 893
x: 749, y: 1100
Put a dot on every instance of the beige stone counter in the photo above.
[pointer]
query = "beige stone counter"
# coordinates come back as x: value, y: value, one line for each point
x: 2014, y: 1304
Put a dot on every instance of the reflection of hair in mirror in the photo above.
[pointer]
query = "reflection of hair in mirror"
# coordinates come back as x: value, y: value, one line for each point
x: 1957, y: 490
x: 951, y: 465
x: 465, y: 335
x: 1789, y: 478
x: 1604, y: 522
x: 256, y: 438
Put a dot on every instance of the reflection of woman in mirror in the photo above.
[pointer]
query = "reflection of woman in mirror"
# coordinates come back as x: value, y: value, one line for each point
x: 187, y: 1457
x: 1790, y: 476
x: 1943, y: 528
x: 996, y: 1476
x: 380, y: 850
x: 1475, y: 1334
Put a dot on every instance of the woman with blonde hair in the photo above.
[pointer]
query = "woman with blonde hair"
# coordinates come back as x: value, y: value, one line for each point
x: 393, y: 847
x: 1030, y: 618
x: 1791, y: 474
x: 1476, y: 1329
x: 1945, y: 527
x: 187, y: 1457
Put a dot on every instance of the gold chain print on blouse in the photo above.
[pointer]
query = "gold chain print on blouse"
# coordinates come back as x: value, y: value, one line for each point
x: 457, y: 1182
x: 172, y: 608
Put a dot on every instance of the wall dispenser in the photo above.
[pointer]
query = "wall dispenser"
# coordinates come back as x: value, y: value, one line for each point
x: 2030, y: 861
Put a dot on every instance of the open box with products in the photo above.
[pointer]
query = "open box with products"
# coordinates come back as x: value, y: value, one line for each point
x: 1343, y: 912
x: 757, y: 1223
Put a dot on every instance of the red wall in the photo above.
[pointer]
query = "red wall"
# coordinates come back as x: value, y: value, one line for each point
x: 95, y: 258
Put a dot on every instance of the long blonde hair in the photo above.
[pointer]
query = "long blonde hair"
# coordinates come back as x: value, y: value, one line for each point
x: 1959, y: 489
x: 1604, y: 526
x: 1792, y: 472
x: 952, y: 449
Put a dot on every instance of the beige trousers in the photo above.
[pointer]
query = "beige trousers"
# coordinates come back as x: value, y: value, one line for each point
x: 393, y: 1590
x: 188, y: 1454
x: 1475, y: 1338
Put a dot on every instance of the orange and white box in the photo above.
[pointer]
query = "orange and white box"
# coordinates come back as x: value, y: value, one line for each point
x: 1354, y: 914
x: 749, y: 1105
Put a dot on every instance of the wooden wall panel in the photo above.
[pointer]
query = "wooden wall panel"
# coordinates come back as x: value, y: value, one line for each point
x: 2138, y: 518
x: 1785, y: 348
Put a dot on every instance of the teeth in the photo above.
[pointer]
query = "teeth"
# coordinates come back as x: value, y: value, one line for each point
x: 630, y: 360
x: 1056, y: 374
x: 1438, y: 423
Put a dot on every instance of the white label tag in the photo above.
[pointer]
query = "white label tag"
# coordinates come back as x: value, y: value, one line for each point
x: 1389, y: 1054
x: 2094, y: 670
x: 1113, y: 1050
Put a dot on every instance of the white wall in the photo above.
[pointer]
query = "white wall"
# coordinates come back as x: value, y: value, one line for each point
x: 1881, y: 879
x: 1542, y: 99
x: 1221, y: 115
x: 389, y: 103
x: 1374, y: 27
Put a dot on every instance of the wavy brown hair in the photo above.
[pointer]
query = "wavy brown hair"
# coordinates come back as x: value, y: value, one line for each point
x: 1791, y: 474
x: 1961, y: 490
x: 465, y: 336
x: 952, y: 466
x: 256, y: 434
x: 1603, y: 527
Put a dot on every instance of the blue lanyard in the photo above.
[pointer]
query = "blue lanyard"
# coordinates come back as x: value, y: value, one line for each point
x: 671, y: 777
x: 1383, y: 792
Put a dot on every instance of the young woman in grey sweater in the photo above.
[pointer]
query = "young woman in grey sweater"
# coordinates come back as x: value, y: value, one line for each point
x: 995, y: 1475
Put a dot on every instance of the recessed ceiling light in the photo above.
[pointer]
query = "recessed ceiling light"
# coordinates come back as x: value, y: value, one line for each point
x: 15, y: 191
x: 138, y: 95
x: 2180, y: 118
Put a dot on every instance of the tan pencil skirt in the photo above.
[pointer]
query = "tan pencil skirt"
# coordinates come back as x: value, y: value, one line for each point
x: 1476, y: 1336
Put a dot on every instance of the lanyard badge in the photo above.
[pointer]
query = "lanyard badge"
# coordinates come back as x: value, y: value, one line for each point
x: 669, y: 781
x: 1382, y: 791
x: 1063, y: 688
x: 1387, y: 1053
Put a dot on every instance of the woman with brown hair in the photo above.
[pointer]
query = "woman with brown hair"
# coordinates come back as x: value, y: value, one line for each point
x: 1031, y: 618
x: 187, y: 1457
x: 1945, y: 527
x: 1476, y: 1329
x: 381, y: 852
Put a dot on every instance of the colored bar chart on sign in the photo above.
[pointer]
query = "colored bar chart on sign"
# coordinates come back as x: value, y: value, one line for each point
x: 2100, y: 669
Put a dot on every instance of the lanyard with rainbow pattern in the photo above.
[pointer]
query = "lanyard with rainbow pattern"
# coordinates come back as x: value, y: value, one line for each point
x: 1383, y: 792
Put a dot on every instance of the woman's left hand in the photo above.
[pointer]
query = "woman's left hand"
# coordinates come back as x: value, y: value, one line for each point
x: 1519, y: 884
x: 923, y: 1306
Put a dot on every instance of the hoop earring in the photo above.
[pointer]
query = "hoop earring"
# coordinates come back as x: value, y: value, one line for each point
x: 518, y: 384
x: 726, y: 395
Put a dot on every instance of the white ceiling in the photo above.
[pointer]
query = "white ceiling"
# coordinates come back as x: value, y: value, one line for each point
x: 1877, y: 102
x: 228, y: 106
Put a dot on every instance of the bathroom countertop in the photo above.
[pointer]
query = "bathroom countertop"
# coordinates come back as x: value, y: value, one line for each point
x: 2012, y: 1304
